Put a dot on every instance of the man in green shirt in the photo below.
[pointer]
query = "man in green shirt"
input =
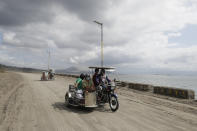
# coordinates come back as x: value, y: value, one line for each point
x: 79, y: 86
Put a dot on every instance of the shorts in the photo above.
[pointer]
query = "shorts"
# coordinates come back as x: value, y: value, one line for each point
x: 79, y: 94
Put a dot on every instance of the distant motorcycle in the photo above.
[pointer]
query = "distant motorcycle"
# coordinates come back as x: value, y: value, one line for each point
x: 48, y: 75
x: 51, y: 76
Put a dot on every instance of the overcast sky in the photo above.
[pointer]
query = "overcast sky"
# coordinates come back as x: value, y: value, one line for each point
x: 139, y: 35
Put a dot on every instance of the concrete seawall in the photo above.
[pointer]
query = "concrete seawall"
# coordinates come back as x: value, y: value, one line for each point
x: 174, y: 92
x: 162, y: 90
x: 68, y: 75
x: 140, y: 87
x: 136, y: 86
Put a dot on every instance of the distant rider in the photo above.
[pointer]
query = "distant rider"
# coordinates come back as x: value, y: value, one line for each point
x: 50, y: 74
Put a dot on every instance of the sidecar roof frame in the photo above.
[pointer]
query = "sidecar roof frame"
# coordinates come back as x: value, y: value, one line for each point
x: 99, y: 67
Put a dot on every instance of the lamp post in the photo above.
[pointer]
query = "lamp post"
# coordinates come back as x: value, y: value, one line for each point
x: 101, y: 24
x: 49, y: 58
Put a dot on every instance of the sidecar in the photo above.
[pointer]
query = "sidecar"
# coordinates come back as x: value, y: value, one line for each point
x: 83, y: 99
x: 44, y: 76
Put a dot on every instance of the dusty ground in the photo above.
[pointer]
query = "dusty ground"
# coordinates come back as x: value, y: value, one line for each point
x: 28, y: 104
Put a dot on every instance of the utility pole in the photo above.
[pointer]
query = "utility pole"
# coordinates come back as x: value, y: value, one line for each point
x: 49, y: 57
x: 101, y: 24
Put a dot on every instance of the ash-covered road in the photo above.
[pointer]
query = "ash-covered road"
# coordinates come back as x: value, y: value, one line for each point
x: 28, y: 104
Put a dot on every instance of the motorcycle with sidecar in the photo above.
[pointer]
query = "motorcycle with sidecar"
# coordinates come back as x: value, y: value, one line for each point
x: 92, y: 99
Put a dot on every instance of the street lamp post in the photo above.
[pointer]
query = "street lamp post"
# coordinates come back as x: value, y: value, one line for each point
x: 49, y: 58
x: 101, y: 24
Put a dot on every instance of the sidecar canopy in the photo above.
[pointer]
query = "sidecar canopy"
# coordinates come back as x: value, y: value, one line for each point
x: 106, y: 68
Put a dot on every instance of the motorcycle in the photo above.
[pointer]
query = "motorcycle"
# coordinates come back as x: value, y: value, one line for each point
x: 107, y: 95
x: 51, y: 76
x: 93, y: 99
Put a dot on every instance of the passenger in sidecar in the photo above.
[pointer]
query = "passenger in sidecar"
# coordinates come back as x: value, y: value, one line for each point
x: 88, y: 85
x: 84, y: 95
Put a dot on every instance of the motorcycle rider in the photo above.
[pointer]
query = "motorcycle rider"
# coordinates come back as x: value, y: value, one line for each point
x: 95, y: 77
x: 103, y: 79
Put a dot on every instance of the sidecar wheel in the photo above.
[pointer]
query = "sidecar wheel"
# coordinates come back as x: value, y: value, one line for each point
x: 113, y: 103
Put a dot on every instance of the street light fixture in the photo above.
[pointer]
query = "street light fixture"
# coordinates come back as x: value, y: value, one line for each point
x: 101, y: 24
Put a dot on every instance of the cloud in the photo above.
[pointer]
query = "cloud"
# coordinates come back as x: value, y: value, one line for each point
x: 20, y: 12
x: 88, y: 10
x: 175, y: 34
x: 134, y: 32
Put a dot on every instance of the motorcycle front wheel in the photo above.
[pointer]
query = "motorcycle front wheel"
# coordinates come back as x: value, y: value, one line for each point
x: 113, y: 103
